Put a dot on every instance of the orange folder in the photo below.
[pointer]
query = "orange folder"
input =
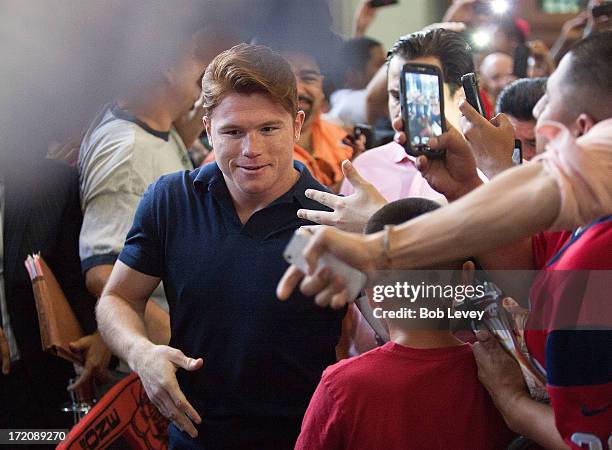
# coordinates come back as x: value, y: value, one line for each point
x: 58, y: 323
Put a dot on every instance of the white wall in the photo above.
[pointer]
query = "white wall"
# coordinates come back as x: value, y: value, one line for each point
x: 391, y: 22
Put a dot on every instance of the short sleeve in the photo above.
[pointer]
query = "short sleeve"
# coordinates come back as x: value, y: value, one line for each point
x: 142, y: 250
x: 322, y: 424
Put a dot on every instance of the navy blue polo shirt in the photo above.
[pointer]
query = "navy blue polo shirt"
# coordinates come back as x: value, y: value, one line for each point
x: 262, y: 357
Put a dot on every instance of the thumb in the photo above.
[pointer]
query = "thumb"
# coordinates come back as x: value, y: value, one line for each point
x: 501, y: 121
x: 351, y: 174
x: 486, y: 339
x: 471, y: 114
x: 422, y: 164
x: 80, y: 344
x: 187, y: 363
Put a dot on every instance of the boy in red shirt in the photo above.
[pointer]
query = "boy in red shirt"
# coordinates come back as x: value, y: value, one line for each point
x: 418, y: 391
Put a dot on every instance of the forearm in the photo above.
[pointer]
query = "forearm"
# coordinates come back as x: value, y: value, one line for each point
x: 122, y: 326
x: 533, y: 420
x: 97, y: 277
x: 517, y: 204
x: 157, y: 322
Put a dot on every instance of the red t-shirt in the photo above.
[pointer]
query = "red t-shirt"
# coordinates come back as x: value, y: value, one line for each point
x: 575, y: 287
x: 396, y: 397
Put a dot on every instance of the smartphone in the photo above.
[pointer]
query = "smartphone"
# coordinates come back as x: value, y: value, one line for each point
x: 361, y: 129
x: 422, y: 107
x: 355, y: 279
x: 520, y: 60
x: 517, y: 154
x: 379, y: 3
x: 472, y: 93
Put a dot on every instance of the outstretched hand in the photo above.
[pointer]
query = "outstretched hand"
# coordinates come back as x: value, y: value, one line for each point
x: 349, y: 213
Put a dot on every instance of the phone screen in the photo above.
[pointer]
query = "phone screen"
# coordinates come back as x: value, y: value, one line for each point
x: 424, y: 108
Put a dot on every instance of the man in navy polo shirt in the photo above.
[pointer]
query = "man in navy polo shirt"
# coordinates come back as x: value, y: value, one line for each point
x: 241, y: 366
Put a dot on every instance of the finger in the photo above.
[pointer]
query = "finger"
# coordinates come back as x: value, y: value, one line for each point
x: 182, y: 404
x: 185, y: 362
x: 82, y: 380
x: 351, y: 174
x: 325, y: 198
x: 5, y: 354
x: 400, y: 137
x: 398, y: 124
x: 320, y: 217
x: 330, y: 296
x: 471, y: 114
x: 340, y: 299
x: 288, y: 282
x: 324, y: 297
x: 79, y: 345
x: 175, y: 415
x: 315, y: 248
x: 422, y: 164
x: 316, y: 283
x: 502, y: 121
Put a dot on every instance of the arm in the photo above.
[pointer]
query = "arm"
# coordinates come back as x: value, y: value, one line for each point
x: 364, y: 15
x: 501, y: 376
x: 480, y: 221
x: 191, y: 124
x: 376, y: 96
x: 120, y: 314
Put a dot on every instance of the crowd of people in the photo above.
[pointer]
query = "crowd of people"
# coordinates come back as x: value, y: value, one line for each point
x: 166, y: 221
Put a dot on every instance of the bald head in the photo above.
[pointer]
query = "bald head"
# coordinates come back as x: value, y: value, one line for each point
x: 496, y: 73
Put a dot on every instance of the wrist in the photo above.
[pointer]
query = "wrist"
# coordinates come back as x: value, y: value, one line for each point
x: 378, y: 247
x: 136, y: 351
x: 510, y: 405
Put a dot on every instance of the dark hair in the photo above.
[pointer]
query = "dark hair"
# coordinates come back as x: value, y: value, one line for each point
x: 247, y: 69
x: 519, y: 97
x: 355, y: 53
x: 399, y: 211
x: 590, y: 74
x: 451, y: 48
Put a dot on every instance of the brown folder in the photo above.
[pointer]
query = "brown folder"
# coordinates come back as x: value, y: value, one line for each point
x: 58, y: 323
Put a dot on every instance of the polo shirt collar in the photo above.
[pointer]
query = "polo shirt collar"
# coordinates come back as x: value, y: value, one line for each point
x: 400, y: 155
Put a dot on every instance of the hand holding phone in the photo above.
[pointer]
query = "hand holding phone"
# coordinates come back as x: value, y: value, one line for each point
x: 472, y: 93
x: 422, y: 107
x: 355, y: 279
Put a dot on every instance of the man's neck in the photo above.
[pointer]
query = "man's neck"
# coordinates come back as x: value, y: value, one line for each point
x: 423, y: 338
x: 247, y: 205
x: 152, y: 113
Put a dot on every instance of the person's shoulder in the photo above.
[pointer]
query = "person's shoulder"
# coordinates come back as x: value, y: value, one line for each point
x: 355, y: 370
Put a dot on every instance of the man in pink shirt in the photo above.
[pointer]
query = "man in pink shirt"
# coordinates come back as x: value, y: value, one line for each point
x: 389, y: 168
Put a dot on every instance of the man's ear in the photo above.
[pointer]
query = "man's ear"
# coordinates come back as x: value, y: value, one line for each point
x: 468, y: 270
x: 297, y: 125
x: 206, y: 120
x: 584, y: 123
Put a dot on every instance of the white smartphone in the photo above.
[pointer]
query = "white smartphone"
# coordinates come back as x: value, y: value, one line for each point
x: 355, y: 279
